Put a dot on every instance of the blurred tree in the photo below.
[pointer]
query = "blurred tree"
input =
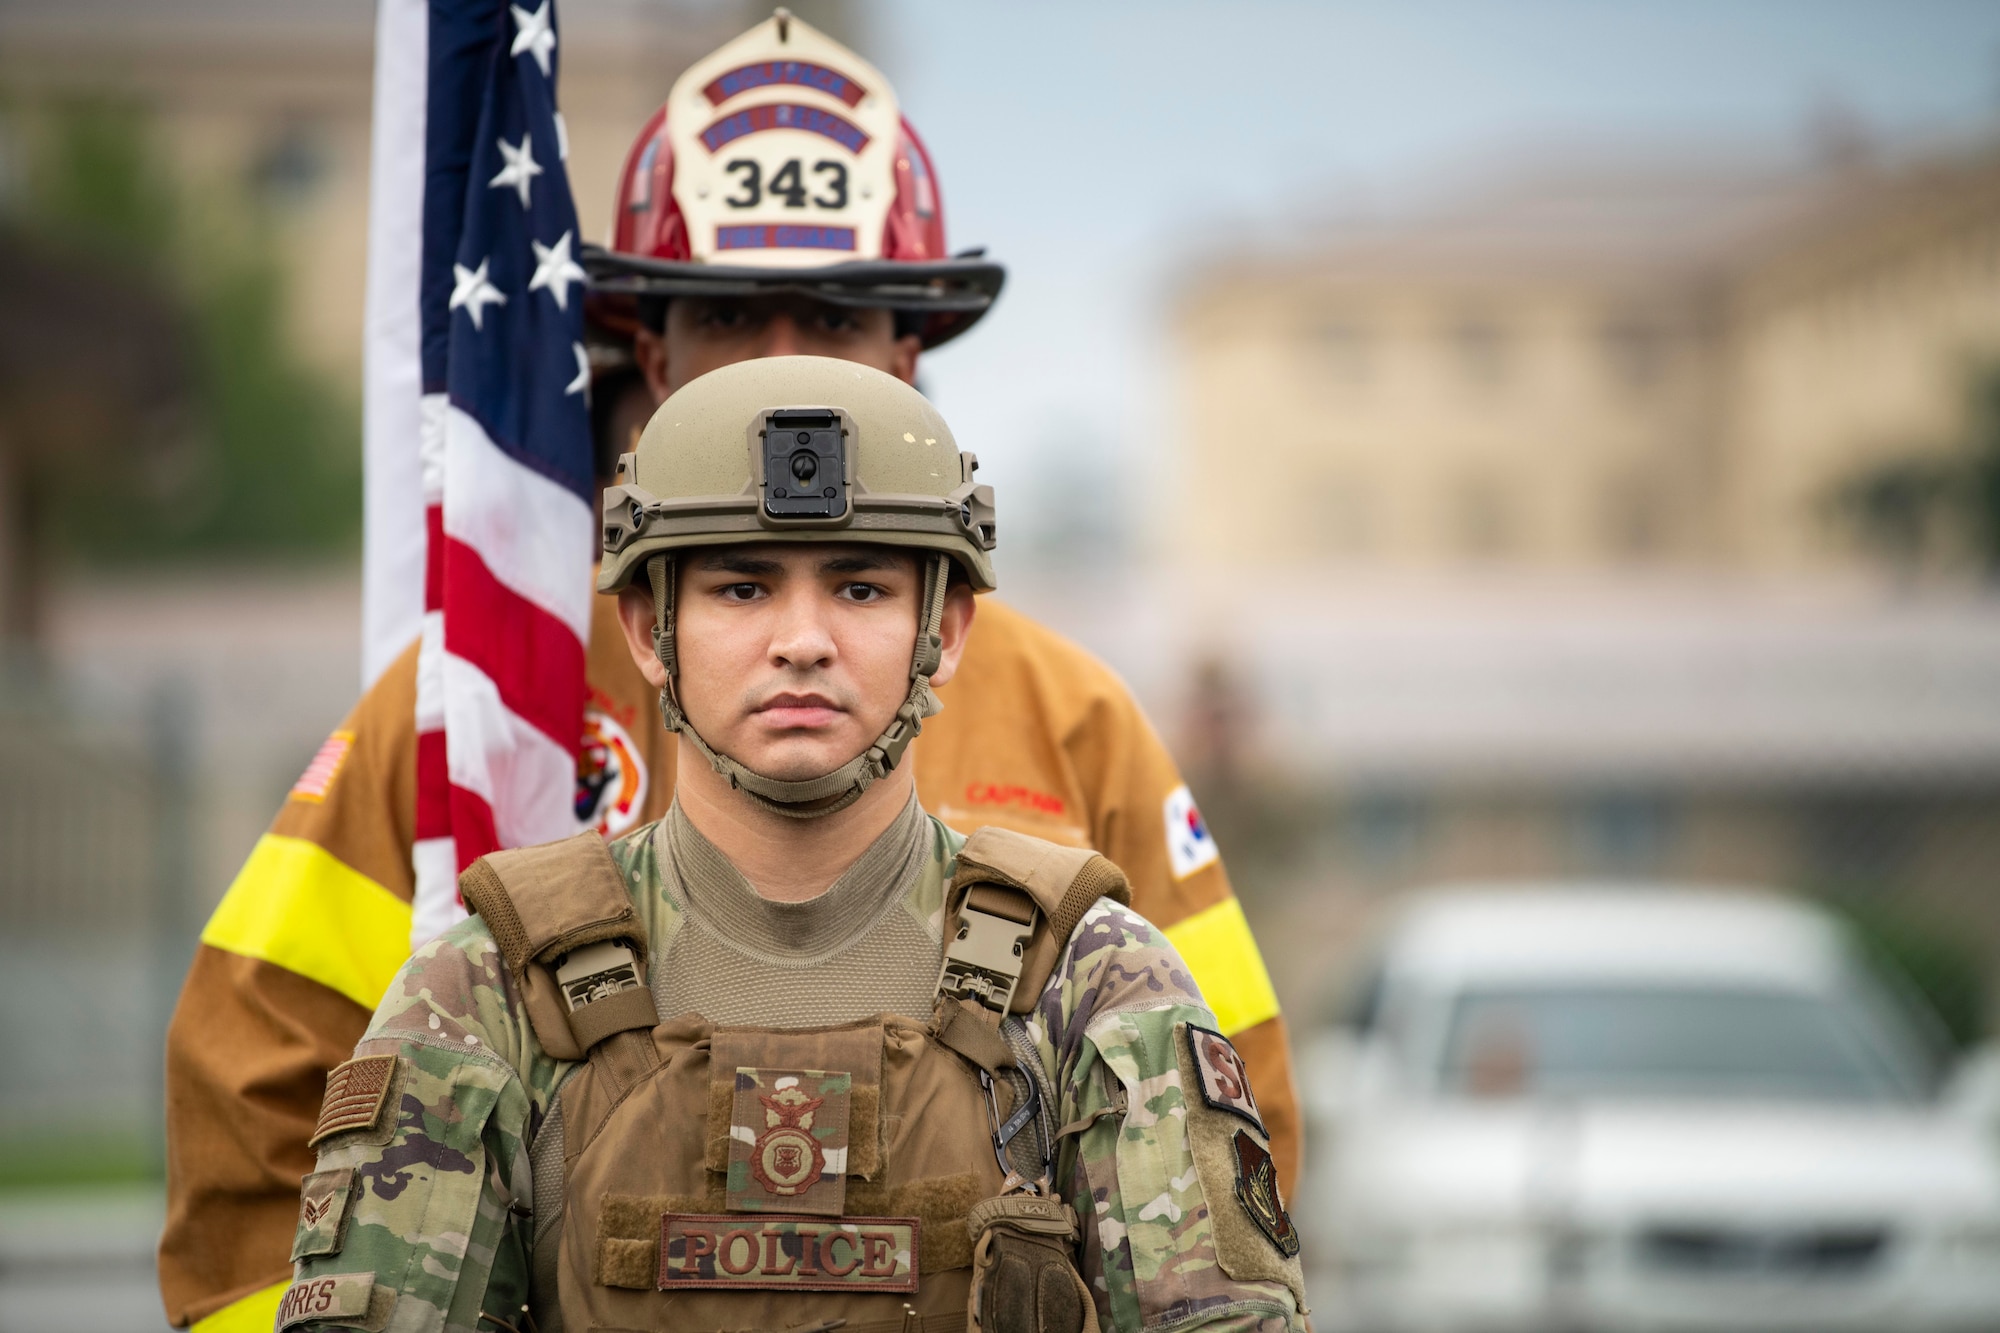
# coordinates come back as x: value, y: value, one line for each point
x: 163, y: 306
x: 1938, y: 960
x: 1936, y: 505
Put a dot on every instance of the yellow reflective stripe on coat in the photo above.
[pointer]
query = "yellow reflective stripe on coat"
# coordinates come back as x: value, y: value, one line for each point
x: 1219, y: 949
x: 255, y: 1313
x: 294, y: 904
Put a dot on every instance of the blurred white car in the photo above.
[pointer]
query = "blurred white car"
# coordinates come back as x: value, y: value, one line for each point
x: 1622, y: 1109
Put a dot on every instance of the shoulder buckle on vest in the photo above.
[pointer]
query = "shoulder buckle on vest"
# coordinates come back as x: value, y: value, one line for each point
x: 983, y: 964
x: 594, y: 971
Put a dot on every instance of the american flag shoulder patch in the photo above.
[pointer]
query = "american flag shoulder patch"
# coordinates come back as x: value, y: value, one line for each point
x: 314, y: 783
x: 357, y: 1093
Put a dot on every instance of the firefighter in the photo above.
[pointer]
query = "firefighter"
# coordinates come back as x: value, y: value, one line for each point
x: 1039, y: 737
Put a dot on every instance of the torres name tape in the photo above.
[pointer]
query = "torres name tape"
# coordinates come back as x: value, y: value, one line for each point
x: 769, y: 1252
x: 340, y: 1296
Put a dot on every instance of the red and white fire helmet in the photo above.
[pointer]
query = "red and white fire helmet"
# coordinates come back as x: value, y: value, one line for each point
x: 781, y: 162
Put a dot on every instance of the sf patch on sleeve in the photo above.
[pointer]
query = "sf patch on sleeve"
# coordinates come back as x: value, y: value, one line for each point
x: 1254, y: 1236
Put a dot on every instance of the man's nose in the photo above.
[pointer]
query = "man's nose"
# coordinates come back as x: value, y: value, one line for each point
x: 781, y: 336
x: 801, y: 637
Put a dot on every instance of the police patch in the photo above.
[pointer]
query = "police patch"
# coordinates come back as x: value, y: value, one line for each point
x: 1257, y: 1191
x: 773, y: 1253
x: 788, y: 1141
x: 1225, y: 1084
x: 356, y: 1094
x: 322, y: 1208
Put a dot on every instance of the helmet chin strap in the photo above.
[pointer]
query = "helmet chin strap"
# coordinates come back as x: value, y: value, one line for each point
x: 811, y: 798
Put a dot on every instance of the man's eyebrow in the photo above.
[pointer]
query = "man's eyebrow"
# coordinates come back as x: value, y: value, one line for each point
x: 739, y: 562
x: 857, y: 562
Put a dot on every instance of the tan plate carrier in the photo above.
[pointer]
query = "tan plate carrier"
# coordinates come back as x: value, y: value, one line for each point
x: 645, y: 1123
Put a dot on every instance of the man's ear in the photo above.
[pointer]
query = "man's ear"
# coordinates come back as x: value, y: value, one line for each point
x: 903, y: 358
x: 635, y: 617
x: 649, y: 349
x: 954, y: 627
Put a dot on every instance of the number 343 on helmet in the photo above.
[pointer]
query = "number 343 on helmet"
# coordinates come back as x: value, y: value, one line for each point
x: 782, y: 163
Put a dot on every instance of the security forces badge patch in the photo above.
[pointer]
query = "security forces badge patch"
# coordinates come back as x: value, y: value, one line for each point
x: 788, y: 1141
x: 1257, y: 1191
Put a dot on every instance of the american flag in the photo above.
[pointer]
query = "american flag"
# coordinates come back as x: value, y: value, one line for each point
x: 500, y: 430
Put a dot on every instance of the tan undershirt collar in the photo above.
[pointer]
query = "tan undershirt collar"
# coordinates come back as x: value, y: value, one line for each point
x: 717, y: 895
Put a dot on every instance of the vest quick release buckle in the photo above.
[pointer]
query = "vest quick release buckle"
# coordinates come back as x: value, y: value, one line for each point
x: 596, y: 971
x: 983, y: 963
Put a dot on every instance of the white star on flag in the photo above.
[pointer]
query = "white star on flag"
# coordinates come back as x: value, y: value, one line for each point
x: 581, y: 384
x: 521, y: 167
x: 555, y: 270
x: 474, y: 291
x: 533, y: 34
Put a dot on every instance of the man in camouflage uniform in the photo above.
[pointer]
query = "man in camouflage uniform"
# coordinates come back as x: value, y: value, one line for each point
x: 821, y: 1097
x: 1040, y: 736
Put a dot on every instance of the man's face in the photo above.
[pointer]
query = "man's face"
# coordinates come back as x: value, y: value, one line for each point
x: 706, y: 333
x: 794, y: 657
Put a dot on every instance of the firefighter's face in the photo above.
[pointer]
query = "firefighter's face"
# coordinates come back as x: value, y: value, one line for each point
x: 706, y: 333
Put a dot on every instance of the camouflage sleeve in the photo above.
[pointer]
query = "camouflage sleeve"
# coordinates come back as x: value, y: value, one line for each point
x: 1171, y: 1230
x: 416, y: 1207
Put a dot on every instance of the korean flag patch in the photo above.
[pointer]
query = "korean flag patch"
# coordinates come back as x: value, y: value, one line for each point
x: 1189, y: 846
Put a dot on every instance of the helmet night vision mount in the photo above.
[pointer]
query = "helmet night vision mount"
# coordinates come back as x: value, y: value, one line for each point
x: 805, y: 465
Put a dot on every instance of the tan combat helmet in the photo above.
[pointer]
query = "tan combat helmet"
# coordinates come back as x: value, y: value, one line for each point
x: 799, y: 449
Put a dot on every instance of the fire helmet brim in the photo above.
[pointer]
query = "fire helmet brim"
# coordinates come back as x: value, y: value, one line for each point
x: 956, y: 293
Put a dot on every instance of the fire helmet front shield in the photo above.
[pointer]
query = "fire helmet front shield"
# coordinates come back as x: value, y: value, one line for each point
x: 784, y: 147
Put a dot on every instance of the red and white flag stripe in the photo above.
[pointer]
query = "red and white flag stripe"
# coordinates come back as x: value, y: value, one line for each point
x: 500, y: 462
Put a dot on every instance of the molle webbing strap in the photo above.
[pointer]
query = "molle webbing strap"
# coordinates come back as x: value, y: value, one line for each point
x: 963, y: 1027
x: 1009, y: 903
x: 1062, y: 882
x: 624, y: 1057
x: 542, y: 902
x: 593, y: 1022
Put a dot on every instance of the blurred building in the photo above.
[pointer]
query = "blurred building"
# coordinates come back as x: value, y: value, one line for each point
x: 1591, y: 365
x: 1511, y: 541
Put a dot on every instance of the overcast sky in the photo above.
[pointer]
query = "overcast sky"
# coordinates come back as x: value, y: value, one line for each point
x: 1090, y: 144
